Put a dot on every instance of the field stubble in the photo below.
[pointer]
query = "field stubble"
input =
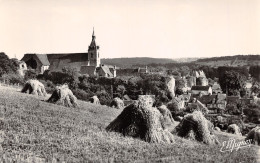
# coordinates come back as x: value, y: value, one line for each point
x: 37, y: 131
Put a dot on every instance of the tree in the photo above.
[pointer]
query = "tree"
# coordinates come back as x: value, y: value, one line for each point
x: 179, y: 83
x: 241, y: 70
x: 184, y: 70
x: 209, y: 71
x: 256, y: 88
x: 255, y: 72
x: 173, y: 107
x: 71, y: 76
x: 7, y: 66
x: 243, y: 92
x: 179, y: 91
x: 120, y: 90
x: 30, y: 74
x: 232, y: 82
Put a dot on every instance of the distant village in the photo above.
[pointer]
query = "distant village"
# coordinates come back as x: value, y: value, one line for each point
x: 196, y: 89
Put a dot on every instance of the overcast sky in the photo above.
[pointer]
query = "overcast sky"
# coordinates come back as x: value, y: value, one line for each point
x: 131, y: 28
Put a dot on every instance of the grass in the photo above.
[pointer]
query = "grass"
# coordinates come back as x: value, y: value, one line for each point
x: 36, y: 131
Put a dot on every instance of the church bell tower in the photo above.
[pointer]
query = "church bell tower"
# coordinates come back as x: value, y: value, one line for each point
x: 93, y: 52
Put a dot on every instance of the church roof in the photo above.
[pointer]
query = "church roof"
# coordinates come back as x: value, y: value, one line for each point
x: 232, y: 99
x: 106, y: 70
x: 200, y: 88
x: 73, y: 57
x: 45, y: 59
x: 88, y: 70
x: 41, y: 57
x: 205, y: 99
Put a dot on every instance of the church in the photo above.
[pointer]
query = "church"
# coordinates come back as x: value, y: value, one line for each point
x: 85, y: 63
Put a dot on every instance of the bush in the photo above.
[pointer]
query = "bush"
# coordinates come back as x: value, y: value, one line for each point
x: 82, y: 95
x: 7, y: 66
x: 49, y: 86
x: 104, y: 98
x: 173, y: 107
x: 13, y: 79
x: 196, y: 107
x: 30, y: 74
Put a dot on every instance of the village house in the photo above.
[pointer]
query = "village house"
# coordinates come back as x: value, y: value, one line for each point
x: 132, y: 71
x: 248, y: 87
x: 215, y: 103
x: 85, y: 63
x: 216, y: 88
x: 196, y: 103
x: 37, y: 62
x: 102, y: 71
x: 205, y: 90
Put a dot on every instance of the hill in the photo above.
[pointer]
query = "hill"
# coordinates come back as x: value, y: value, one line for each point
x: 234, y: 61
x: 36, y: 131
x: 180, y: 60
x: 129, y: 62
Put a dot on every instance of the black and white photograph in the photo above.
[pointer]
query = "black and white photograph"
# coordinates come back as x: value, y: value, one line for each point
x: 138, y: 81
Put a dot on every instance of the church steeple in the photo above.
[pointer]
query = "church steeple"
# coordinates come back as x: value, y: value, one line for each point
x: 93, y: 42
x: 93, y: 52
x: 93, y: 35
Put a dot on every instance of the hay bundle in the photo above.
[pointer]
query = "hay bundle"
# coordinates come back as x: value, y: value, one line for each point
x: 141, y: 120
x: 117, y: 103
x: 95, y: 100
x: 234, y: 129
x: 147, y: 100
x: 254, y: 136
x: 63, y: 96
x: 196, y: 127
x: 34, y: 87
x: 2, y: 133
x: 168, y: 120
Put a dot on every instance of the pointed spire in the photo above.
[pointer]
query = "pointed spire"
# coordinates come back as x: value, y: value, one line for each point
x: 93, y: 35
x: 93, y: 32
x: 93, y: 43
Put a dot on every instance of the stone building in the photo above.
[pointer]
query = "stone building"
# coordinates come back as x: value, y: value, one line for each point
x: 214, y: 103
x: 204, y: 90
x: 216, y: 88
x: 197, y: 78
x: 85, y: 62
x: 37, y: 62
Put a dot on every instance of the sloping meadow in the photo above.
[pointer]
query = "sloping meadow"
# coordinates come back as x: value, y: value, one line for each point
x: 37, y: 131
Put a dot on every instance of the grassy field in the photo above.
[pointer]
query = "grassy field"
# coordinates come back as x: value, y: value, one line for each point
x: 36, y: 131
